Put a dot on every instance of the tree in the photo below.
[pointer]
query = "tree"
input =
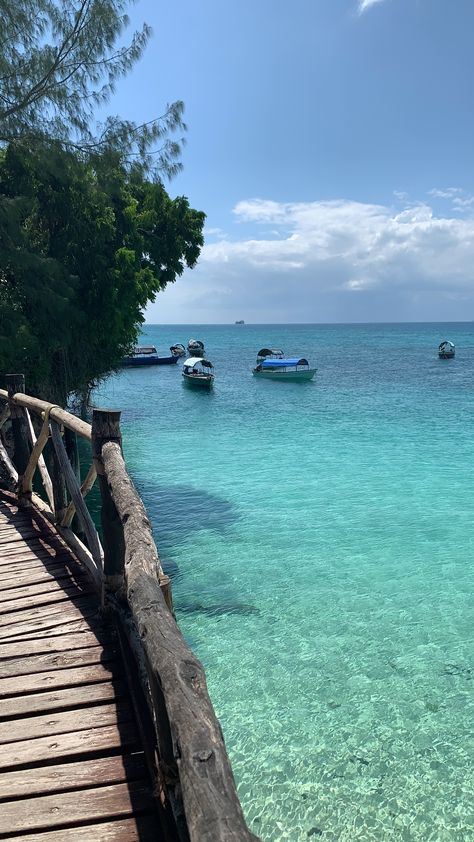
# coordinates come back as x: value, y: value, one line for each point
x: 85, y: 246
x: 59, y: 60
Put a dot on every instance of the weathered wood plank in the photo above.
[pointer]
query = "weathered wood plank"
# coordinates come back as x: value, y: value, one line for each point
x: 36, y: 577
x: 83, y: 743
x: 57, y: 660
x: 24, y: 552
x: 60, y: 626
x: 76, y: 607
x: 64, y: 722
x: 70, y: 776
x: 54, y: 598
x: 25, y: 592
x: 137, y: 829
x: 67, y: 697
x: 58, y: 643
x: 73, y: 808
x: 56, y: 678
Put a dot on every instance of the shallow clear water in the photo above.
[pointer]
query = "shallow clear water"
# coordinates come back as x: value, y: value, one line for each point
x: 320, y: 538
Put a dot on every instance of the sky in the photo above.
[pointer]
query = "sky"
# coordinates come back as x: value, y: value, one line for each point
x: 330, y: 144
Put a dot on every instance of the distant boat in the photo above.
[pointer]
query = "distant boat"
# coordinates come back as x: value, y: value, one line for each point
x: 240, y: 322
x: 198, y: 372
x: 147, y: 355
x: 446, y: 350
x: 196, y: 348
x: 178, y: 350
x: 272, y: 365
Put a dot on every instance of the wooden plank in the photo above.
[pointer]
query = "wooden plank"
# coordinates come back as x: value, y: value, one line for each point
x: 70, y: 776
x: 72, y: 607
x: 67, y: 697
x: 54, y: 598
x: 137, y: 829
x: 64, y: 722
x: 41, y: 588
x: 18, y: 566
x: 60, y: 626
x: 48, y: 749
x: 8, y: 545
x: 56, y: 643
x: 45, y: 552
x: 56, y: 678
x: 73, y: 808
x: 35, y: 577
x: 57, y: 660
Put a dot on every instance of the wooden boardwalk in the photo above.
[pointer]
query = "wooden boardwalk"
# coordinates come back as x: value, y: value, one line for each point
x: 72, y: 765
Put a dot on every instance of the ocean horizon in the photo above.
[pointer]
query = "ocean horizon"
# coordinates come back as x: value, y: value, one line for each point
x: 319, y: 539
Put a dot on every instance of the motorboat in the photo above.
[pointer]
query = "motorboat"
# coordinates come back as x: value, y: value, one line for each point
x: 178, y: 350
x: 198, y: 372
x: 446, y: 350
x: 272, y: 365
x: 270, y: 353
x: 196, y: 348
x: 147, y: 355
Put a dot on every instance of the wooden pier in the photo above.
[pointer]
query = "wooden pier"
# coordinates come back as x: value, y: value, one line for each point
x: 107, y: 732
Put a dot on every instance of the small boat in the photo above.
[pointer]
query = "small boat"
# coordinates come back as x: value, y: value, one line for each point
x: 178, y: 350
x: 198, y: 372
x: 196, y: 348
x: 272, y: 365
x: 147, y: 355
x: 446, y: 350
x: 240, y: 322
x: 270, y: 353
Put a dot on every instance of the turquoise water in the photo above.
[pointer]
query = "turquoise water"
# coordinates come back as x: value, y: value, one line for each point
x: 320, y: 538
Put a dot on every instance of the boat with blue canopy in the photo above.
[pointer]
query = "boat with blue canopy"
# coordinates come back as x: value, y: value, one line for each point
x: 272, y: 365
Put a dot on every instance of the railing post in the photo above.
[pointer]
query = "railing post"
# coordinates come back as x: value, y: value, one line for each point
x: 21, y: 451
x: 106, y: 427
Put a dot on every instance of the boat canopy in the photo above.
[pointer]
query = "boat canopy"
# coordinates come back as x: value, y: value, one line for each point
x: 192, y: 361
x: 294, y: 361
x: 270, y: 352
x: 446, y: 345
x: 144, y: 349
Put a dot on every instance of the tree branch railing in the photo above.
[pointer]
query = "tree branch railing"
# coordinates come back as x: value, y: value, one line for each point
x: 183, y: 740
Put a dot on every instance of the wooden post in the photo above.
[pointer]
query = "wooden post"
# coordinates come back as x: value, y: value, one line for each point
x: 106, y: 427
x: 58, y: 481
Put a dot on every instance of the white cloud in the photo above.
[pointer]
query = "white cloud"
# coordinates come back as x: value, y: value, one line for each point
x: 335, y: 260
x: 367, y: 4
x: 445, y: 193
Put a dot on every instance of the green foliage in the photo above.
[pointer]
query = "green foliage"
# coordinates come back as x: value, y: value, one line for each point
x: 84, y: 247
x: 59, y: 61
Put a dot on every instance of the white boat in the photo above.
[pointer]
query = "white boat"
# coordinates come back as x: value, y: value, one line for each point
x: 272, y: 365
x: 196, y: 348
x: 178, y: 350
x: 446, y: 350
x: 198, y: 372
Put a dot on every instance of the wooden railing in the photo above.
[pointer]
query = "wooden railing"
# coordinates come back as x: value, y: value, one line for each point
x: 184, y: 746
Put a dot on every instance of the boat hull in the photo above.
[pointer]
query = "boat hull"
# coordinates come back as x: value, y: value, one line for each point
x: 134, y: 362
x: 446, y: 355
x: 203, y: 381
x: 286, y: 376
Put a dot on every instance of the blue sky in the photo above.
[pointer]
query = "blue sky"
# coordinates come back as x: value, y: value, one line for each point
x: 330, y: 144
